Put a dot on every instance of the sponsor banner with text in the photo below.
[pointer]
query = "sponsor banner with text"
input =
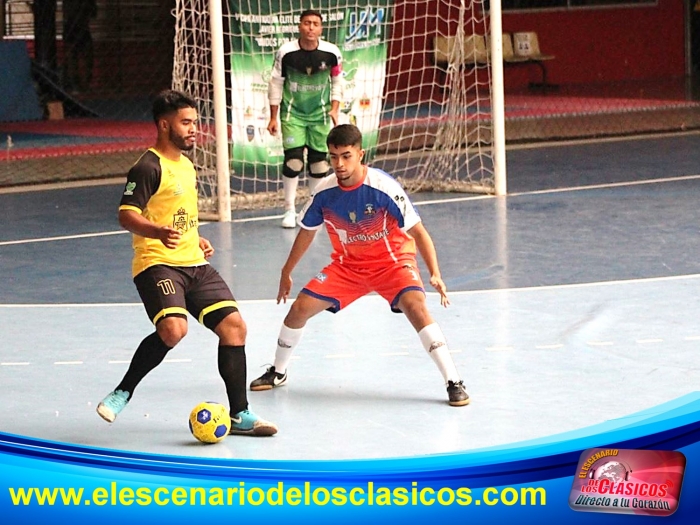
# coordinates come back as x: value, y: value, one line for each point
x: 258, y: 30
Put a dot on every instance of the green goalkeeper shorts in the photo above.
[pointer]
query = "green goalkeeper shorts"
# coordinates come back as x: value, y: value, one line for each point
x: 297, y: 134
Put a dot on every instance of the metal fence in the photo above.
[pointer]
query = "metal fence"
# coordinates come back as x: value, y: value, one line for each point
x: 94, y: 92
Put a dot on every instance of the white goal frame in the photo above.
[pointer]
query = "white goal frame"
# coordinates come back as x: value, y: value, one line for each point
x: 221, y: 124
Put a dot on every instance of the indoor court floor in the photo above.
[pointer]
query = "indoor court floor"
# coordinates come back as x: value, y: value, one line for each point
x: 575, y: 302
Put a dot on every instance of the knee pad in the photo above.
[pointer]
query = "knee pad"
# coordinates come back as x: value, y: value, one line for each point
x: 293, y: 162
x: 318, y: 164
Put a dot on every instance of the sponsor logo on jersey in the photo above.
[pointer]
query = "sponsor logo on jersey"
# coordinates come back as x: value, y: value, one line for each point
x: 321, y: 277
x: 353, y: 217
x: 370, y: 209
x: 130, y: 187
x: 295, y: 87
x: 180, y: 220
x: 367, y: 237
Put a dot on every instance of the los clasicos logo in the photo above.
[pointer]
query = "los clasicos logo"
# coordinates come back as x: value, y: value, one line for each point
x: 623, y: 481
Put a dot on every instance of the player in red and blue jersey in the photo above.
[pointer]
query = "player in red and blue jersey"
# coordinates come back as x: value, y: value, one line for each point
x: 375, y: 231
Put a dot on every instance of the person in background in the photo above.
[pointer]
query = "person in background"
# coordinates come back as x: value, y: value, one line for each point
x: 304, y: 93
x: 78, y: 46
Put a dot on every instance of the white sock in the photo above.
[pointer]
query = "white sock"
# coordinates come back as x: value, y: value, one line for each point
x: 286, y: 343
x: 313, y: 184
x: 434, y: 342
x: 290, y: 191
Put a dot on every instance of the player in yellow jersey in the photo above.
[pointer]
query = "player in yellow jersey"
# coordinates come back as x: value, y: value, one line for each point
x: 170, y: 268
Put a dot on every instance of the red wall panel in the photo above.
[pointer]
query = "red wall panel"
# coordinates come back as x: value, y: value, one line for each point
x: 590, y: 45
x: 604, y: 45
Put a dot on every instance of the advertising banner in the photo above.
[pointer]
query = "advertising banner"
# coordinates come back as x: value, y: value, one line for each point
x: 360, y: 32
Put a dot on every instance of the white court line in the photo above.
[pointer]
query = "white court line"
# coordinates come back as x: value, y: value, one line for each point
x: 561, y: 190
x: 446, y: 200
x: 14, y: 364
x: 463, y: 292
x: 71, y: 305
x: 118, y: 362
x: 109, y: 305
x: 575, y: 285
x: 63, y: 185
x: 608, y: 185
x: 62, y: 238
x: 258, y: 219
x: 692, y: 338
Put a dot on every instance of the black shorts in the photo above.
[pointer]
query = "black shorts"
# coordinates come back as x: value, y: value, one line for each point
x: 174, y: 291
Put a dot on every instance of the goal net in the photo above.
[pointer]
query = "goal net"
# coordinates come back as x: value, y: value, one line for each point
x: 417, y: 83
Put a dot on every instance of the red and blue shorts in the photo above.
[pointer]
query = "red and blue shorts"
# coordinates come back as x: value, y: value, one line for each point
x: 341, y: 285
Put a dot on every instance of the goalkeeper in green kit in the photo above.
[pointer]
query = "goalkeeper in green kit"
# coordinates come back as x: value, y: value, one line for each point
x: 305, y: 91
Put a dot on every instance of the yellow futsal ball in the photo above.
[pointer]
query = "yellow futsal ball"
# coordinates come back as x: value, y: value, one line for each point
x: 210, y: 422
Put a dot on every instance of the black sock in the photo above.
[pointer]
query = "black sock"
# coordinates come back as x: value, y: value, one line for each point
x: 232, y: 367
x: 148, y: 355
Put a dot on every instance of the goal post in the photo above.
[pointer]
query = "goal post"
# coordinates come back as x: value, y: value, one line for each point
x: 223, y: 181
x: 435, y: 123
x: 498, y: 106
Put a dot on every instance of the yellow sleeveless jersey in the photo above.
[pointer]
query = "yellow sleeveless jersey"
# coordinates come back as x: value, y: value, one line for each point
x: 165, y: 193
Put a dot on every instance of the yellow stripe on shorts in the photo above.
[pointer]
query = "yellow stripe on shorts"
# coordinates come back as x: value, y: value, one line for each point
x: 216, y: 306
x: 168, y: 311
